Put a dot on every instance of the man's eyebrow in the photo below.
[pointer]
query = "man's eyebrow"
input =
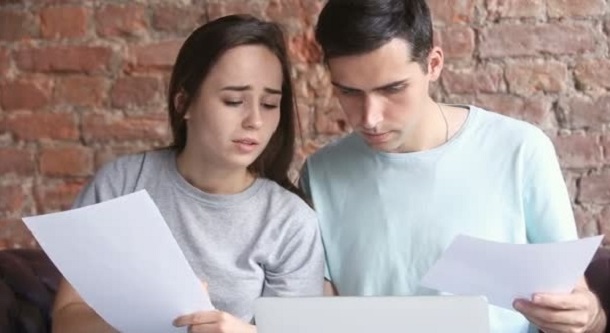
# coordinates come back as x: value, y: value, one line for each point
x: 385, y: 86
x: 338, y: 85
x: 392, y: 84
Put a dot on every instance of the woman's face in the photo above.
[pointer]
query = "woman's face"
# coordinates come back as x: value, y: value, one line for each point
x: 237, y: 109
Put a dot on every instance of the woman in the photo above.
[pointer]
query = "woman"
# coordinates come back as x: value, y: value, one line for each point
x: 222, y: 186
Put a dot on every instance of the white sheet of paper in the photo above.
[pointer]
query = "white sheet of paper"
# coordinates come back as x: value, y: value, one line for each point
x: 503, y: 272
x: 123, y: 260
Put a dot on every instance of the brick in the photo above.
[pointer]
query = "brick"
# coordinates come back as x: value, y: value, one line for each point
x: 220, y: 8
x: 606, y: 148
x: 42, y: 125
x: 570, y: 180
x: 5, y: 62
x: 528, y: 78
x: 330, y: 119
x: 593, y: 74
x: 586, y: 222
x: 17, y: 161
x: 515, y: 9
x: 580, y: 8
x: 135, y: 91
x: 306, y: 11
x: 154, y: 56
x: 66, y: 161
x: 88, y: 59
x: 586, y: 113
x: 117, y: 20
x: 460, y: 11
x: 57, y: 195
x: 485, y: 79
x: 303, y: 48
x: 12, y: 199
x: 81, y: 90
x: 25, y: 94
x: 578, y: 150
x: 594, y: 188
x: 98, y: 127
x: 14, y: 234
x: 178, y: 19
x: 604, y: 225
x: 16, y: 25
x: 536, y: 110
x: 457, y: 41
x: 64, y: 22
x: 530, y: 40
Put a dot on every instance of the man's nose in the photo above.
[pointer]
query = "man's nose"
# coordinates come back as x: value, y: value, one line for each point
x: 372, y: 112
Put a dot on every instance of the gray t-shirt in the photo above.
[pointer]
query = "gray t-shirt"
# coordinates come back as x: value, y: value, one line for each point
x: 262, y: 241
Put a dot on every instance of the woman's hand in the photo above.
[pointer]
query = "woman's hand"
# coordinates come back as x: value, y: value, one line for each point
x: 213, y: 322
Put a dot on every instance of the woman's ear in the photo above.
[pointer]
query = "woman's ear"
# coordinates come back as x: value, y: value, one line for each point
x: 180, y: 104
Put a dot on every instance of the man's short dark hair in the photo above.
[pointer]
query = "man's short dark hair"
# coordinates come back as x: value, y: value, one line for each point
x: 352, y: 27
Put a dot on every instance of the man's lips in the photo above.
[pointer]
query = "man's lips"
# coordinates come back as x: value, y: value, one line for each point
x: 376, y: 137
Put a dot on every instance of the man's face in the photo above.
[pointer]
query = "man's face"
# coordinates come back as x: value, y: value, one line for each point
x: 383, y: 93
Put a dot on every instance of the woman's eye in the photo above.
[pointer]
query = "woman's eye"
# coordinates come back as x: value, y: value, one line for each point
x: 269, y: 106
x: 233, y: 103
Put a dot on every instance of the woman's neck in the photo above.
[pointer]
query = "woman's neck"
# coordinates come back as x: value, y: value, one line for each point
x: 211, y: 178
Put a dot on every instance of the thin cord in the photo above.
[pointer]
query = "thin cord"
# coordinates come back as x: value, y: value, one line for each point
x: 446, y: 123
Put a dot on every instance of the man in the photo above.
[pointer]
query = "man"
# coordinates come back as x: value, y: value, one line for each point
x: 391, y: 196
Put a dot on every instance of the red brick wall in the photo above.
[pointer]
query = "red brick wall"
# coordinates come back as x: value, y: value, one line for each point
x: 84, y: 81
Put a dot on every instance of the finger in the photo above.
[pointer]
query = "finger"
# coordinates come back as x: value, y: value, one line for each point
x: 204, y: 284
x: 577, y: 300
x: 204, y: 328
x: 203, y: 317
x: 544, y: 317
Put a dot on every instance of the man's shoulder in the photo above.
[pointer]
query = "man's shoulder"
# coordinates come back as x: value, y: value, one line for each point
x: 508, y: 128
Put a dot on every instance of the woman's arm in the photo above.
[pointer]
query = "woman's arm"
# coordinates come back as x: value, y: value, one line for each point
x: 72, y: 315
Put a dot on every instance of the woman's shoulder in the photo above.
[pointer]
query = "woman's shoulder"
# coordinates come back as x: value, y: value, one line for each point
x: 282, y: 199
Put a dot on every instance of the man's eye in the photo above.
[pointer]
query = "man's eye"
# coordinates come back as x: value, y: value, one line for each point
x: 349, y: 92
x: 395, y: 89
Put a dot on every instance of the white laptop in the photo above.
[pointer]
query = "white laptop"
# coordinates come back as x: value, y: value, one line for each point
x: 371, y: 314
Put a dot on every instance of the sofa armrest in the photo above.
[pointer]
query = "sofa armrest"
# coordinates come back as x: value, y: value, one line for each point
x: 28, y: 283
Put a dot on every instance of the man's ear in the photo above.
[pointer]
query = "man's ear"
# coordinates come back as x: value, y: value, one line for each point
x: 436, y: 61
x: 180, y: 104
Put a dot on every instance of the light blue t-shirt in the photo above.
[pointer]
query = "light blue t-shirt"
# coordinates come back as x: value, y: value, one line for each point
x: 386, y: 218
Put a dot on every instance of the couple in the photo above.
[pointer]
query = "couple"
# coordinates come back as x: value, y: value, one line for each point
x: 388, y: 198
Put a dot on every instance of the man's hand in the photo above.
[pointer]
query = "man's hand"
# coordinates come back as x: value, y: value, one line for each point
x: 577, y: 312
x: 213, y: 322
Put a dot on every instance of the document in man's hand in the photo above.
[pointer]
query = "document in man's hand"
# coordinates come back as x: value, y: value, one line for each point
x: 503, y: 272
x: 122, y: 259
